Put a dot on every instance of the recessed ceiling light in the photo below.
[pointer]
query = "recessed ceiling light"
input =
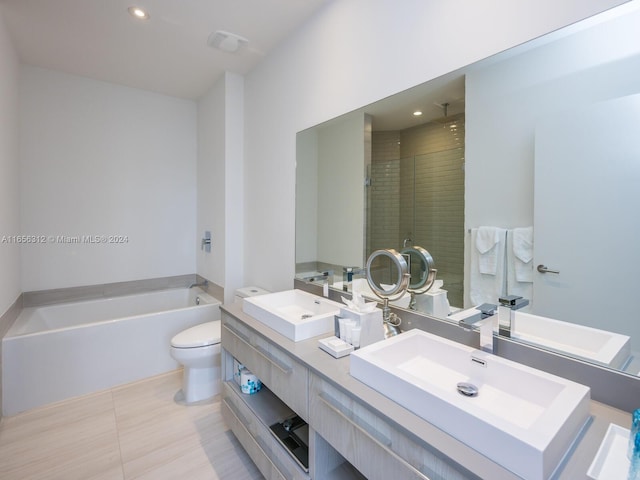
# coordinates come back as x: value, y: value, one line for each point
x: 417, y: 113
x: 138, y: 13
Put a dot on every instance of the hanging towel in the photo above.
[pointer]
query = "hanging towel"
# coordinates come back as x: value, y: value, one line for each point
x: 523, y: 254
x: 487, y: 287
x: 520, y: 264
x: 486, y: 240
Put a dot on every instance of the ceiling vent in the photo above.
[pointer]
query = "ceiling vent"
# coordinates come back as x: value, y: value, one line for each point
x: 227, y: 42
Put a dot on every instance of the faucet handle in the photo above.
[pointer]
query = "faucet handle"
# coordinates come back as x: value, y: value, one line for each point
x: 514, y: 302
x: 509, y: 300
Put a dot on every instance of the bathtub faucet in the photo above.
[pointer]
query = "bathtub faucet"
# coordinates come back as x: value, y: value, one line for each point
x: 204, y: 284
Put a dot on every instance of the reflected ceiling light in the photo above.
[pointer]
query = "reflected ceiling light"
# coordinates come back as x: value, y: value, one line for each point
x: 139, y: 13
x: 417, y: 113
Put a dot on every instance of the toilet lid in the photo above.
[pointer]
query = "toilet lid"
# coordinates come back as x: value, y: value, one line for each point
x: 198, y: 336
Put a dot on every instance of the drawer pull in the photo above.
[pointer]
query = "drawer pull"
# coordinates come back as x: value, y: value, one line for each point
x: 268, y: 451
x: 286, y: 369
x: 237, y: 332
x: 359, y: 422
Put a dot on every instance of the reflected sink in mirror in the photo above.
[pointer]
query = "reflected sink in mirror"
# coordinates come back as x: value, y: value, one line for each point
x: 362, y: 286
x: 592, y: 344
x: 523, y: 419
x: 296, y: 314
x: 432, y: 302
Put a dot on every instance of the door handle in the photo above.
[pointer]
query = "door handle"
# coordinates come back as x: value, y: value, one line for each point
x: 544, y: 269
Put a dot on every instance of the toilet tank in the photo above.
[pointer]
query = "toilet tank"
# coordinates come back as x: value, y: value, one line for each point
x: 245, y: 292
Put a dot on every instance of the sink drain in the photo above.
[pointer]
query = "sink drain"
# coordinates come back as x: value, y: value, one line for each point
x: 305, y: 316
x: 467, y: 389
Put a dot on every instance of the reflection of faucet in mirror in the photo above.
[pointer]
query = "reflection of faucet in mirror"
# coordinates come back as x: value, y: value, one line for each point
x: 405, y: 241
x: 347, y: 277
x: 320, y: 277
x: 507, y: 313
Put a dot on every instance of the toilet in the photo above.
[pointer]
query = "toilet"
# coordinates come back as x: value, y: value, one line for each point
x: 198, y: 350
x: 245, y: 292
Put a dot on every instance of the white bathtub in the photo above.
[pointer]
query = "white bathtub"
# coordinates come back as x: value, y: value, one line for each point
x: 60, y: 351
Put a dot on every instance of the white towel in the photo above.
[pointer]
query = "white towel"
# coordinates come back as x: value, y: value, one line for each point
x: 520, y: 264
x: 486, y: 240
x: 523, y: 254
x: 487, y: 287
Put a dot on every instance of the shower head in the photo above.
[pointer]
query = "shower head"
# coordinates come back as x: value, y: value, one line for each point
x: 445, y: 118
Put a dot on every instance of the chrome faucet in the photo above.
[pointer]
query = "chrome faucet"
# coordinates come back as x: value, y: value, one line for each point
x: 321, y: 277
x: 347, y: 276
x: 486, y: 320
x: 507, y: 313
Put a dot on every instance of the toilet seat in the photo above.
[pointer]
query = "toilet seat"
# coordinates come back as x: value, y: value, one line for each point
x: 201, y: 335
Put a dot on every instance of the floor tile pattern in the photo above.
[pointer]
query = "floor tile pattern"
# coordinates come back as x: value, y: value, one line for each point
x: 135, y: 431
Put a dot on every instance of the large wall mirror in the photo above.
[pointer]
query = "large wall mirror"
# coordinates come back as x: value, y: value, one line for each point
x: 521, y: 176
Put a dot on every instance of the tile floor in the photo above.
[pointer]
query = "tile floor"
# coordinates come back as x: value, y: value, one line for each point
x: 135, y: 431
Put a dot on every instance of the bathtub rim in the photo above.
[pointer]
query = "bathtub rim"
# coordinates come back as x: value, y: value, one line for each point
x: 210, y: 300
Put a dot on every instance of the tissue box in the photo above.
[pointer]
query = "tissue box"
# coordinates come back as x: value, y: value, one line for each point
x: 237, y: 370
x: 249, y: 383
x: 371, y: 326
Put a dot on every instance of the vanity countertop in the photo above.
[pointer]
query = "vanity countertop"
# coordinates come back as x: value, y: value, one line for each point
x: 337, y: 372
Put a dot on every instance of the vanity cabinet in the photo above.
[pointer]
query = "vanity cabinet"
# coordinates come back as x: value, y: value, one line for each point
x: 347, y: 439
x: 375, y: 446
x: 284, y: 394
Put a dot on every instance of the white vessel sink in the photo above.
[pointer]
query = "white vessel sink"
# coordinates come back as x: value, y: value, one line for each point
x: 296, y: 314
x: 600, y: 346
x: 522, y: 418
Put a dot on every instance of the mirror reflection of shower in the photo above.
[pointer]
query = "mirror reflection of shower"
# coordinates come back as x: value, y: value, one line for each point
x: 415, y: 195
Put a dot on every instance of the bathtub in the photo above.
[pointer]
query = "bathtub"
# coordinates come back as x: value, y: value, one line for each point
x: 55, y: 352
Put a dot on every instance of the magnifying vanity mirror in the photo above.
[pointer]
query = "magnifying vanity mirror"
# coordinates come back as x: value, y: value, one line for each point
x: 541, y: 136
x: 387, y: 274
x: 388, y: 277
x: 422, y: 275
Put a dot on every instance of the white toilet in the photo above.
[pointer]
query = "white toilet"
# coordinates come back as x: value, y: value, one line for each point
x: 198, y: 349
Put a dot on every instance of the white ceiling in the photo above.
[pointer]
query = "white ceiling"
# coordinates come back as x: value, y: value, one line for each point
x: 166, y: 54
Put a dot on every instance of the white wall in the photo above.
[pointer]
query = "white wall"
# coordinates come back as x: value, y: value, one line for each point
x: 219, y: 173
x: 350, y: 54
x: 101, y: 159
x: 234, y: 183
x: 211, y: 188
x: 9, y: 169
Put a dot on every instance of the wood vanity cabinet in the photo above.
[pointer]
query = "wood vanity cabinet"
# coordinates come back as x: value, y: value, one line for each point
x: 377, y: 447
x: 284, y: 392
x: 347, y: 439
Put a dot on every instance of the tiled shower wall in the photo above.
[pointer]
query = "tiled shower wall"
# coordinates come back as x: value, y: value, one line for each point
x: 419, y: 194
x: 383, y: 194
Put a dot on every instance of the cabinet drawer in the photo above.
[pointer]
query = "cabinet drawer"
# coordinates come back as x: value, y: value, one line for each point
x: 270, y: 457
x: 369, y: 442
x: 284, y: 376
